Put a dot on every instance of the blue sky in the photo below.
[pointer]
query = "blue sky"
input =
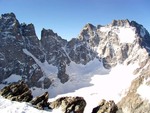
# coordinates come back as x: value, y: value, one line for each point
x: 68, y: 17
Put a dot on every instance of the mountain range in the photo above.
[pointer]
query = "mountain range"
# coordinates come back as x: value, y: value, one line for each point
x: 43, y: 62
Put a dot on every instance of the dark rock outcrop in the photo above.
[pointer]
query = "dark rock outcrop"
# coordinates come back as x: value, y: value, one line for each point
x: 120, y: 23
x: 69, y: 104
x: 14, y: 37
x: 17, y: 92
x: 134, y: 102
x: 20, y: 92
x: 40, y: 102
x: 106, y: 107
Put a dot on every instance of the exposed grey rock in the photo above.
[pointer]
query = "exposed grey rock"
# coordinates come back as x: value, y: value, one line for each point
x: 14, y: 37
x: 69, y: 104
x: 40, y: 102
x: 20, y: 92
x: 17, y: 92
x: 120, y: 23
x: 133, y: 102
x: 54, y: 47
x: 106, y: 107
x: 44, y: 83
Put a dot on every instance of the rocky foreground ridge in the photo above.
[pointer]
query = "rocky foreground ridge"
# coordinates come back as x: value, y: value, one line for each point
x: 121, y: 42
x: 20, y: 92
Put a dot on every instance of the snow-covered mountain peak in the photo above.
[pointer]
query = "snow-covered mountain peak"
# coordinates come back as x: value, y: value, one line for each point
x: 87, y: 32
x: 8, y: 19
x: 9, y: 24
x: 48, y: 32
x: 28, y: 30
x: 121, y: 23
x: 115, y: 42
x: 8, y: 16
x: 89, y: 26
x: 123, y: 30
x: 125, y: 34
x: 140, y: 30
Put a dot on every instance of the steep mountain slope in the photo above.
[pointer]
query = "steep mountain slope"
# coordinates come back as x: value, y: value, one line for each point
x: 13, y: 38
x: 52, y: 62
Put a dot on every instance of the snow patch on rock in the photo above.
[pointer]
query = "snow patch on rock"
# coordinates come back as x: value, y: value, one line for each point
x: 48, y: 69
x: 126, y: 35
x: 144, y: 90
x: 13, y: 78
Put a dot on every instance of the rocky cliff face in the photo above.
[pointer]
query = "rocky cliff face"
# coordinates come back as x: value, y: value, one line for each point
x: 121, y: 42
x: 113, y: 43
x: 14, y: 37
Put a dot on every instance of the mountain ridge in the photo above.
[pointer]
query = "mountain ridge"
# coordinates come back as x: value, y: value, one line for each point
x: 93, y: 42
x: 42, y: 62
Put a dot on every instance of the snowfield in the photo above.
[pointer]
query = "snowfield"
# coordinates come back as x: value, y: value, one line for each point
x: 7, y: 106
x: 92, y: 85
x: 125, y: 34
x: 143, y: 90
x: 97, y: 85
x: 13, y: 78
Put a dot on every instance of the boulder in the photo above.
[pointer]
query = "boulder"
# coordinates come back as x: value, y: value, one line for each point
x: 20, y: 92
x: 106, y: 107
x: 40, y: 102
x: 69, y: 104
x: 26, y: 96
x: 17, y: 92
x: 5, y: 91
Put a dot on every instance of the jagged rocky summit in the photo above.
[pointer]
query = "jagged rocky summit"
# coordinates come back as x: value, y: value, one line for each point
x: 24, y: 56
